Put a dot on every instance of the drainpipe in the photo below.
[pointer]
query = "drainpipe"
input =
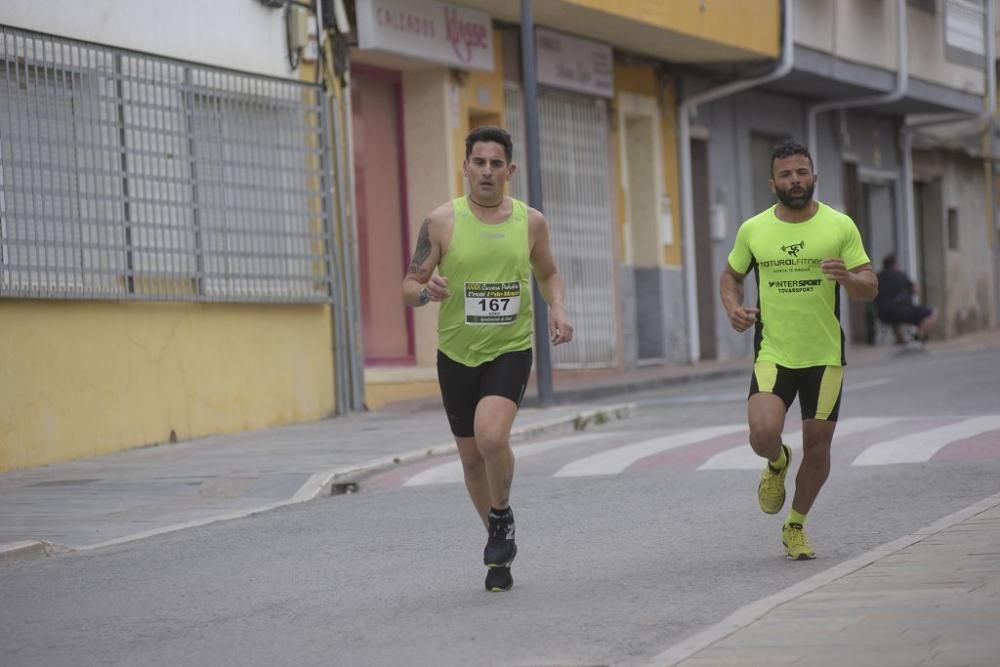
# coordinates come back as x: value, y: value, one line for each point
x: 686, y: 110
x: 896, y: 94
x: 911, y: 125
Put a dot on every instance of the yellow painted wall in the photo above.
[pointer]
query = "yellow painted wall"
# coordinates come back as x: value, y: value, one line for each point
x: 84, y: 378
x: 380, y: 394
x: 428, y: 176
x: 671, y: 171
x: 641, y: 80
x: 479, y: 94
x: 752, y: 25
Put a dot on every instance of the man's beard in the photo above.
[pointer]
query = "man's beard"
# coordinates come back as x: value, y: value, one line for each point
x: 795, y: 201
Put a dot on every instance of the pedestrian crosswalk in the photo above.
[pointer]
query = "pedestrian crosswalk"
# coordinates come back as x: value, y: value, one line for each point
x: 744, y: 458
x: 919, y: 447
x: 452, y: 471
x: 616, y: 460
x: 863, y: 441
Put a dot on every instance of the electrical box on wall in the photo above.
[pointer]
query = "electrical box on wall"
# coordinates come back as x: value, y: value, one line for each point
x: 300, y: 33
x: 298, y: 27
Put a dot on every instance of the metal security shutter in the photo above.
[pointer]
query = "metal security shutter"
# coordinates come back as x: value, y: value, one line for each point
x: 574, y: 153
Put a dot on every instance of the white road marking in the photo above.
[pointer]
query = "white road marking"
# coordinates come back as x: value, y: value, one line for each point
x: 853, y: 386
x: 742, y: 396
x: 744, y: 458
x: 451, y: 472
x: 920, y: 447
x: 616, y: 460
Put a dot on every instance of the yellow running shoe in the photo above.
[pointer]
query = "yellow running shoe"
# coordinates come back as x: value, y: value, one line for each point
x: 793, y: 536
x: 771, y: 490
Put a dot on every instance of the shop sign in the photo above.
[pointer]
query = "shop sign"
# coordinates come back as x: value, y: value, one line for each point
x: 429, y: 30
x: 574, y: 64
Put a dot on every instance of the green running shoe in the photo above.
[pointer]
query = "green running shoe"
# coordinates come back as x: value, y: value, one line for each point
x: 771, y: 490
x: 796, y: 543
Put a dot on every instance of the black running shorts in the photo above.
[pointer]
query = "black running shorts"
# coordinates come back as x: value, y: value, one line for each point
x: 819, y: 388
x: 462, y: 386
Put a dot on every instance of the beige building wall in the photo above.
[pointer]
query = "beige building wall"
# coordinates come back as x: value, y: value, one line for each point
x: 969, y: 266
x: 959, y: 244
x: 428, y: 185
x: 631, y: 80
x: 864, y: 32
x: 440, y: 106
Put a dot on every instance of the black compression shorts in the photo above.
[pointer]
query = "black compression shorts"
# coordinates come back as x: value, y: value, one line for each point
x: 819, y: 388
x: 462, y: 386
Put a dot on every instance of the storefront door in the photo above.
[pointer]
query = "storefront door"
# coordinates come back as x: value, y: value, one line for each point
x: 380, y: 201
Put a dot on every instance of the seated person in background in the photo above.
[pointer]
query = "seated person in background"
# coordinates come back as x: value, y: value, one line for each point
x: 895, y: 302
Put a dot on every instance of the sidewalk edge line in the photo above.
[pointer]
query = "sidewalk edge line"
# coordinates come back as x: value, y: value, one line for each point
x: 316, y: 484
x: 749, y: 613
x: 173, y: 528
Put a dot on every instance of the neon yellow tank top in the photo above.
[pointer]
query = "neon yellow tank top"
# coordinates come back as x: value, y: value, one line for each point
x: 488, y: 268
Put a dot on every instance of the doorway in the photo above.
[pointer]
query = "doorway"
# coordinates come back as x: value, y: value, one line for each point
x: 703, y: 250
x: 380, y: 205
x: 641, y: 180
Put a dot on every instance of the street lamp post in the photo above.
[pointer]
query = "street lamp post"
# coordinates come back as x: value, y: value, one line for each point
x: 543, y: 352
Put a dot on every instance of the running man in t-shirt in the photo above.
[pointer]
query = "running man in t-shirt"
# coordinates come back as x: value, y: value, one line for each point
x: 485, y: 246
x: 802, y: 252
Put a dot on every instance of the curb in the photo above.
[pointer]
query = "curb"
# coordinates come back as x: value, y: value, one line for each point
x: 322, y: 483
x: 13, y: 552
x: 585, y: 394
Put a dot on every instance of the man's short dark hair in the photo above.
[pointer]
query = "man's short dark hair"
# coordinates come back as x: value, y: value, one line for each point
x: 490, y: 133
x: 788, y: 149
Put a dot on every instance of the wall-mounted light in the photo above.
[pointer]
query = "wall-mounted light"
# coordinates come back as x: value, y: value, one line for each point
x: 719, y: 213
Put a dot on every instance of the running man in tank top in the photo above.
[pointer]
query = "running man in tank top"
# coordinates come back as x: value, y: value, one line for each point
x: 485, y: 246
x: 802, y: 251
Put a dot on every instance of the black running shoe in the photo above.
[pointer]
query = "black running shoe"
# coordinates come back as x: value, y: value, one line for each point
x: 500, y: 548
x: 498, y: 580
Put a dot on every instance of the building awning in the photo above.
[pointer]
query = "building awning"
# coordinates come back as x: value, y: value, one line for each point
x: 820, y: 76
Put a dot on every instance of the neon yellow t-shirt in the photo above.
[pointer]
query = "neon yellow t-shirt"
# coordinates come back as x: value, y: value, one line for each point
x: 488, y: 268
x: 799, y: 323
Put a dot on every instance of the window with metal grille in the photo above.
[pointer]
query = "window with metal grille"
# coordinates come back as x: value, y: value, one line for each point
x: 965, y: 32
x: 129, y: 176
x: 39, y: 238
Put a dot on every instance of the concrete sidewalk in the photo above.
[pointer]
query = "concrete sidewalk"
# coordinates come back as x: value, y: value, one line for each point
x: 96, y: 502
x: 930, y: 599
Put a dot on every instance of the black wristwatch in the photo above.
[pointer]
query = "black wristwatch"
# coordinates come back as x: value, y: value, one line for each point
x: 423, y: 296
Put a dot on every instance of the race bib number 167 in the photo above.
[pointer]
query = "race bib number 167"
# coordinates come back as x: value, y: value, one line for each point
x: 492, y: 303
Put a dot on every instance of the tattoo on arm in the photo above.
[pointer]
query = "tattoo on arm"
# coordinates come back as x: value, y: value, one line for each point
x: 423, y: 250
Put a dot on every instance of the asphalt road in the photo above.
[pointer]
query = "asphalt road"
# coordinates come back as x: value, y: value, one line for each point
x: 631, y: 537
